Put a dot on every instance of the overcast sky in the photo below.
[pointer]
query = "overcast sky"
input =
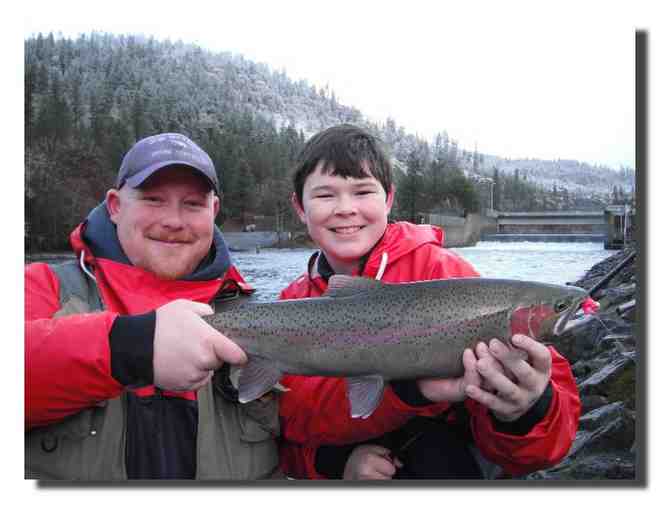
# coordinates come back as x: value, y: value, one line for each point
x: 551, y: 82
x: 538, y: 78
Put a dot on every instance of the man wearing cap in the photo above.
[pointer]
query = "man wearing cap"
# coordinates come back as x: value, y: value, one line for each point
x: 123, y: 379
x: 115, y: 349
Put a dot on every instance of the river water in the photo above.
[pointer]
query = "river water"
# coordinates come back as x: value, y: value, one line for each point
x: 270, y: 270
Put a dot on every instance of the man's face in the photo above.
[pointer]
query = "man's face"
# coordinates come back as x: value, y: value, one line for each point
x: 165, y: 226
x: 346, y: 217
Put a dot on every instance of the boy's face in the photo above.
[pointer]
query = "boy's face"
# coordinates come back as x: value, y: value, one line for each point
x: 344, y: 216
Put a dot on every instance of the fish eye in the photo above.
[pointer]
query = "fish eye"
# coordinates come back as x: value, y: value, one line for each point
x: 561, y: 306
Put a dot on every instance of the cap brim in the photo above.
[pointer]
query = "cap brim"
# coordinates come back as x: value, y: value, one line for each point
x: 142, y: 176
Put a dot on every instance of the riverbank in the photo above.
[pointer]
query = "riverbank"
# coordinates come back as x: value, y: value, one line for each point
x: 253, y: 241
x: 603, y: 350
x: 237, y: 241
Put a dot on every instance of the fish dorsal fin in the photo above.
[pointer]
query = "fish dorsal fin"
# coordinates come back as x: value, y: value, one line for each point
x: 365, y: 393
x: 341, y: 285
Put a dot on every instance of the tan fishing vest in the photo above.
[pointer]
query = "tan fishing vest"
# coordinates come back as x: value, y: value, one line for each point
x: 234, y: 441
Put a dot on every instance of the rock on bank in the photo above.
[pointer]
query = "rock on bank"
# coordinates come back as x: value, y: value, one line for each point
x: 603, y: 351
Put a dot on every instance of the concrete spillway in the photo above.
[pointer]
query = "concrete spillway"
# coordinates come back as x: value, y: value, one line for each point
x: 545, y: 238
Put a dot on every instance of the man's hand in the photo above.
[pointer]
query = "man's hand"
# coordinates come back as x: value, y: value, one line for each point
x: 514, y: 377
x: 187, y: 350
x: 370, y: 462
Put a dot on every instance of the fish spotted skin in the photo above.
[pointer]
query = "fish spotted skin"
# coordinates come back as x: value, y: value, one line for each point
x: 362, y: 328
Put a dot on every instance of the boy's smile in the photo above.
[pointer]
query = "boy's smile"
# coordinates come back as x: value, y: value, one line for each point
x: 345, y: 217
x: 347, y: 230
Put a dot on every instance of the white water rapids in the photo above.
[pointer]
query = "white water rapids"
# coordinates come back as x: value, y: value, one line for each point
x: 270, y: 270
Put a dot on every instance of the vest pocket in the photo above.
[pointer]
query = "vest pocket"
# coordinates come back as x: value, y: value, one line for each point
x: 51, y: 450
x: 235, y: 441
x: 259, y: 419
x: 59, y: 451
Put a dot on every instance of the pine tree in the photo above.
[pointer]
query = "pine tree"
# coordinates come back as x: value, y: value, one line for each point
x: 53, y: 125
x: 496, y: 192
x: 29, y: 92
x: 410, y: 189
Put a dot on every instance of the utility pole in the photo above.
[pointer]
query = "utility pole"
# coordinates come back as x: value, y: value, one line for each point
x: 492, y: 195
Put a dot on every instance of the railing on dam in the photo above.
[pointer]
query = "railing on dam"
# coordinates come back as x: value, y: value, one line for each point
x: 567, y: 223
x: 555, y: 226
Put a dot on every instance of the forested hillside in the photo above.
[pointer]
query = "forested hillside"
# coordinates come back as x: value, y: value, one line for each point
x: 577, y: 177
x: 88, y: 99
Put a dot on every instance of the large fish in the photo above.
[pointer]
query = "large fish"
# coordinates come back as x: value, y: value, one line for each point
x: 371, y: 332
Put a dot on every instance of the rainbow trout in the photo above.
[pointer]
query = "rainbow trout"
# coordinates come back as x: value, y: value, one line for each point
x: 371, y: 332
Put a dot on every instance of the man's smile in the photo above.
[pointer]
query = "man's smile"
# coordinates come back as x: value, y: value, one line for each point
x: 169, y: 241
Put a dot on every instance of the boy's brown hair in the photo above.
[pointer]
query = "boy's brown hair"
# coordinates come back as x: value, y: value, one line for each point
x: 342, y: 150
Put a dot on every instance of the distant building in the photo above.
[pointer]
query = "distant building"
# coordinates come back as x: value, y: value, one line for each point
x: 620, y: 222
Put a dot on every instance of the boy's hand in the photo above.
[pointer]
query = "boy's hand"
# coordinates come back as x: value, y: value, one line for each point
x: 506, y: 380
x: 370, y: 462
x: 515, y: 376
x: 454, y: 390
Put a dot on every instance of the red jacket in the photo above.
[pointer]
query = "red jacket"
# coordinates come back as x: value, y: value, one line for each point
x: 407, y: 253
x: 63, y: 373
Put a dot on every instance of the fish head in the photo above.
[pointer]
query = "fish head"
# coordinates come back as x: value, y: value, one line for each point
x: 543, y: 310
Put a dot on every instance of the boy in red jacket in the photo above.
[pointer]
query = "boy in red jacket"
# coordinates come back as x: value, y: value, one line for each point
x: 506, y: 413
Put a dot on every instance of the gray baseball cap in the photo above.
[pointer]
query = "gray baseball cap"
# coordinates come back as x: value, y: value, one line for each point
x: 159, y: 151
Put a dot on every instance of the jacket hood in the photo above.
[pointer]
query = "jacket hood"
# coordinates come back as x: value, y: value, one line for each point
x: 400, y: 239
x: 96, y: 237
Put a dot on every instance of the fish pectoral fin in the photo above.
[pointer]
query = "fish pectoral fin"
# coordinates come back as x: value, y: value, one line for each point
x: 234, y: 377
x: 280, y: 388
x: 341, y: 285
x: 365, y: 393
x: 257, y: 378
